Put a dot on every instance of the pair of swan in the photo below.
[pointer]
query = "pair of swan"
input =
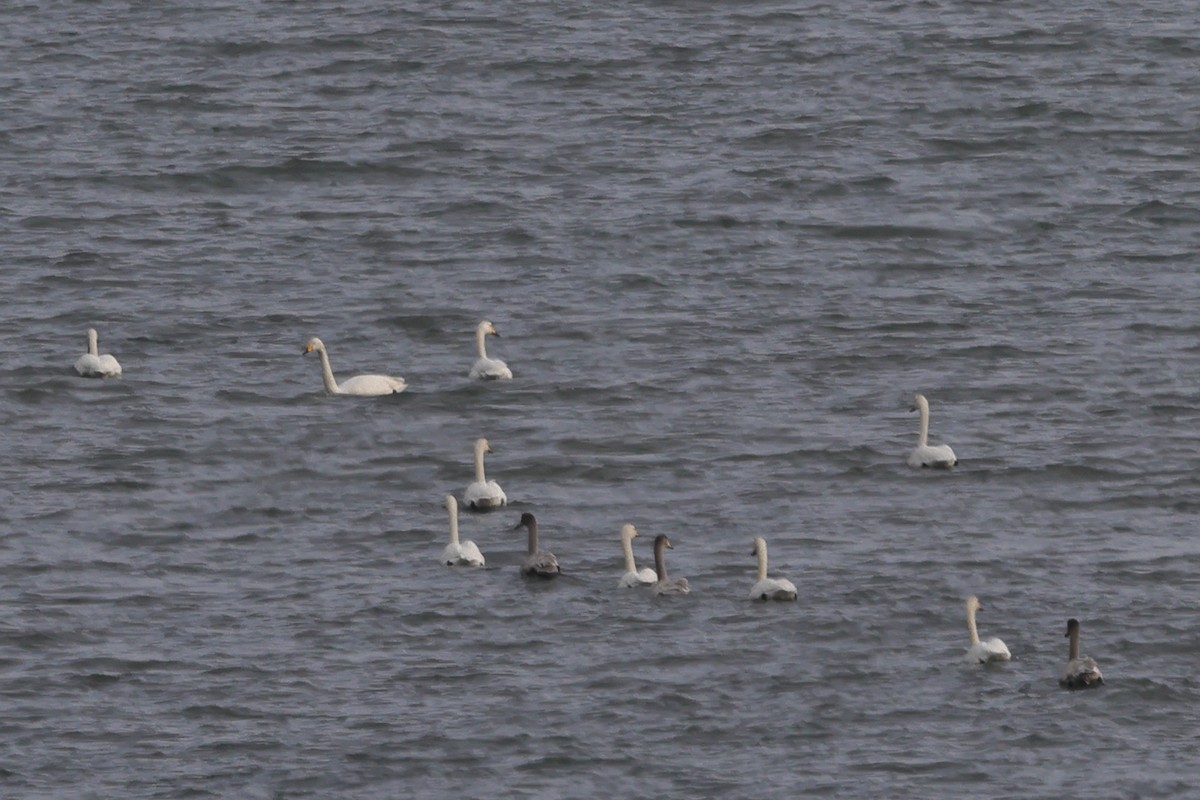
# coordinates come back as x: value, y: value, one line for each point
x: 655, y: 578
x: 538, y: 563
x: 938, y: 456
x: 482, y: 494
x: 93, y: 365
x: 1080, y: 672
x: 488, y: 369
x: 362, y: 385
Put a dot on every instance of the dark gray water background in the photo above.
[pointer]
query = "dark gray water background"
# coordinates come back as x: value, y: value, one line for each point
x: 724, y: 244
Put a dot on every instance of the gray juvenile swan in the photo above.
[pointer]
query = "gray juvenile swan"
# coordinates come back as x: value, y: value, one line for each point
x: 93, y: 365
x: 1080, y: 672
x: 924, y: 454
x: 769, y: 588
x: 981, y: 652
x: 664, y: 584
x: 459, y: 554
x: 363, y: 385
x: 488, y: 368
x: 538, y: 563
x: 482, y: 494
x: 633, y: 576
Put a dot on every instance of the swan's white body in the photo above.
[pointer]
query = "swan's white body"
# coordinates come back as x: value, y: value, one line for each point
x: 769, y: 588
x: 1080, y: 672
x: 939, y: 456
x: 633, y: 576
x: 482, y: 494
x: 363, y: 385
x: 488, y: 368
x: 93, y: 365
x: 981, y: 652
x: 459, y: 554
x: 538, y: 563
x: 666, y: 585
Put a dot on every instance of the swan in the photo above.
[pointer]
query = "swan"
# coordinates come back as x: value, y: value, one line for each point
x: 1080, y: 672
x: 483, y: 495
x: 982, y: 652
x: 367, y: 385
x: 769, y: 588
x: 539, y: 563
x: 665, y: 585
x: 924, y: 454
x: 465, y: 554
x: 93, y: 365
x: 633, y: 576
x: 488, y: 368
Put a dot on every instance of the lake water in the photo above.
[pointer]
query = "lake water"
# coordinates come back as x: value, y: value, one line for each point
x: 724, y: 245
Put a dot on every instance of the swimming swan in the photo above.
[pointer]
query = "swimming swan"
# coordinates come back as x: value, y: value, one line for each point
x: 539, y: 563
x: 769, y: 588
x: 633, y: 576
x: 665, y: 585
x: 924, y: 454
x: 93, y: 365
x: 982, y: 652
x: 488, y: 368
x: 483, y: 495
x: 1080, y: 672
x: 372, y: 385
x: 465, y: 554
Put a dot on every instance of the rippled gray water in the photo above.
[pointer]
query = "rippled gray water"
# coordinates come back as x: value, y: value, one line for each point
x: 724, y: 244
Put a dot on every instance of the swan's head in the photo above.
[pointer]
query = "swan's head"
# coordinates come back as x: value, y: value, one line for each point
x: 487, y: 327
x: 760, y: 546
x: 482, y: 446
x: 451, y: 503
x: 527, y: 521
x: 314, y: 344
x: 628, y: 532
x: 919, y: 403
x: 1072, y: 626
x: 973, y: 603
x: 92, y: 334
x: 662, y: 541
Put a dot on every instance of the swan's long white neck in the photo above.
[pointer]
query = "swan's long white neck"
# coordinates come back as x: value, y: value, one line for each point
x: 453, y: 508
x: 761, y: 551
x: 660, y: 560
x: 93, y: 343
x: 972, y: 631
x: 480, y: 336
x: 327, y: 371
x: 923, y: 438
x: 479, y: 477
x: 627, y: 546
x: 1074, y: 651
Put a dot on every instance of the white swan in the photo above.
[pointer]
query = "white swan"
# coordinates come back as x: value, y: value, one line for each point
x: 488, y: 368
x: 769, y: 588
x: 925, y: 454
x: 633, y: 576
x: 1080, y: 672
x: 483, y: 495
x: 367, y: 385
x: 456, y: 554
x: 982, y: 652
x: 538, y: 563
x: 664, y: 584
x: 93, y: 365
